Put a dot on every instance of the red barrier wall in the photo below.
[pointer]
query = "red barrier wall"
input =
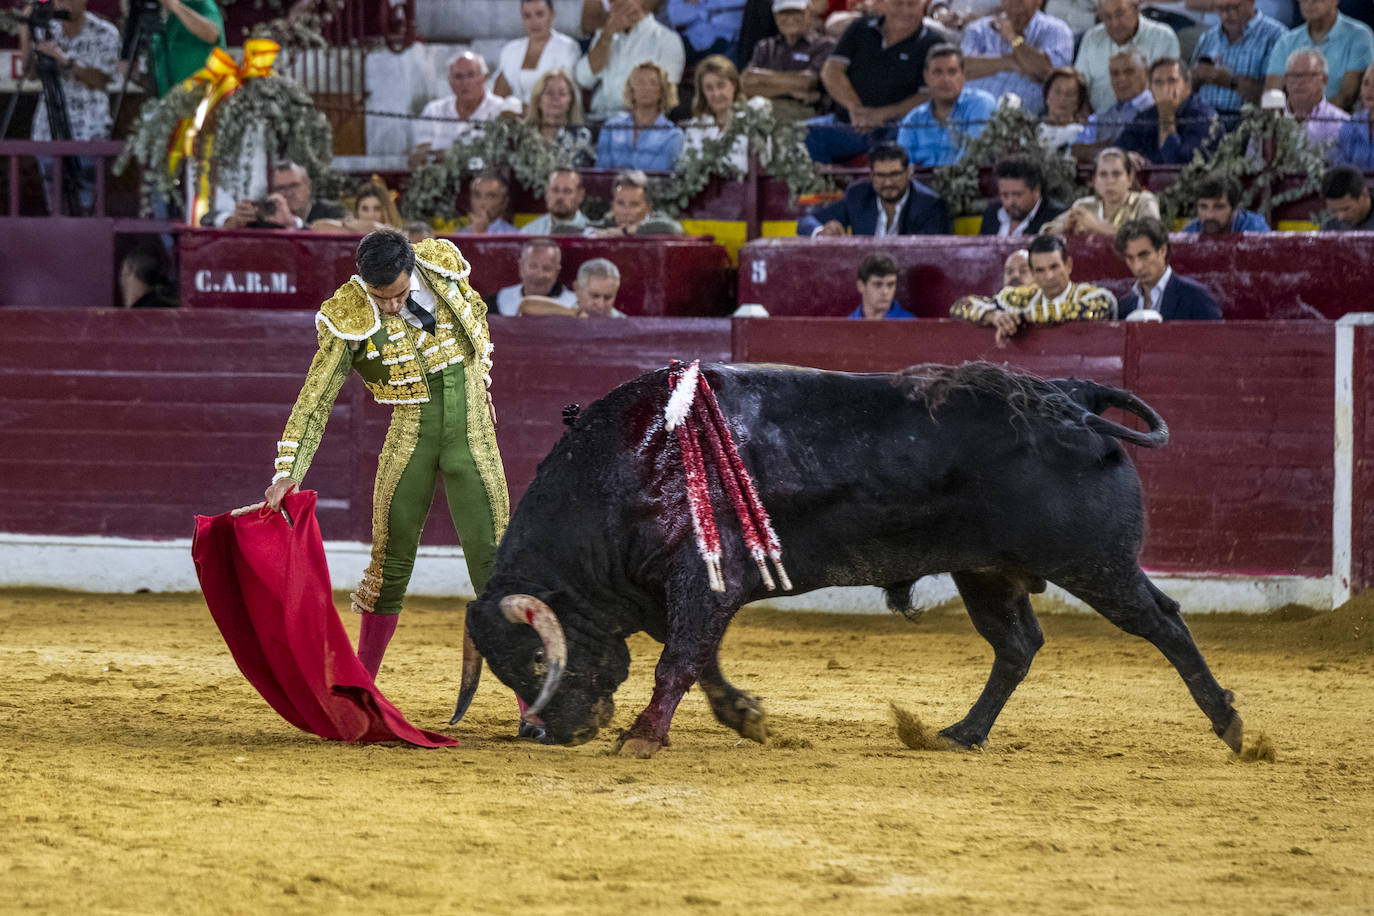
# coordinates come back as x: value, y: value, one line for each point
x: 128, y: 423
x: 660, y: 276
x: 1283, y: 275
x: 1245, y: 483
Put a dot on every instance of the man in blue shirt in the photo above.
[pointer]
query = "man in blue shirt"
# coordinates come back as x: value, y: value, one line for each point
x: 936, y: 132
x: 878, y: 290
x: 1015, y: 51
x: 707, y: 26
x: 1219, y: 211
x: 1177, y: 125
x: 1347, y: 45
x: 1230, y: 60
x: 1127, y: 74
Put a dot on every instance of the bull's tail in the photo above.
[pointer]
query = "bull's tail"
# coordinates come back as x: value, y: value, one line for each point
x: 1157, y: 437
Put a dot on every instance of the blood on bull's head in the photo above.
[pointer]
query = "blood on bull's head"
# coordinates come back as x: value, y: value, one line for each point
x: 568, y: 678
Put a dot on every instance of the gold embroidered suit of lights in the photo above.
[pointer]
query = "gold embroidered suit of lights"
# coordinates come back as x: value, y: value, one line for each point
x: 1079, y: 302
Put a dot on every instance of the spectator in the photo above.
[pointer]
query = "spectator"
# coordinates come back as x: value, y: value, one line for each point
x: 541, y: 262
x: 1355, y: 144
x: 875, y: 76
x: 488, y: 198
x: 417, y: 230
x: 878, y: 290
x: 563, y: 194
x: 143, y: 280
x: 786, y: 68
x: 642, y: 137
x: 1053, y: 299
x: 1122, y: 28
x: 373, y: 208
x: 524, y: 61
x: 1016, y: 269
x: 936, y: 132
x: 1112, y: 202
x: 630, y: 37
x: 85, y: 48
x: 447, y: 120
x: 598, y: 283
x: 1347, y: 201
x: 1067, y: 109
x: 1230, y: 60
x: 707, y: 27
x: 1128, y: 74
x: 1177, y: 125
x: 1144, y: 245
x: 1304, y: 82
x: 1021, y: 207
x: 290, y: 203
x: 1015, y: 51
x: 555, y: 110
x: 891, y: 202
x: 191, y: 30
x: 1347, y: 45
x: 1219, y: 211
x: 714, y: 105
x: 632, y: 210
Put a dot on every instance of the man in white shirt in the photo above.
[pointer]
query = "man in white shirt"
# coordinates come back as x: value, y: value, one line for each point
x: 1122, y: 27
x: 541, y: 262
x: 630, y: 37
x: 454, y: 117
x: 563, y: 194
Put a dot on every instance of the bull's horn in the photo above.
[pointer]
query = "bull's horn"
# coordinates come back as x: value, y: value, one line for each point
x: 530, y: 610
x: 472, y: 673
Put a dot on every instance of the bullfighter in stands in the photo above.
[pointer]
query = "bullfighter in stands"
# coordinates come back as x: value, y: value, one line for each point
x: 416, y: 332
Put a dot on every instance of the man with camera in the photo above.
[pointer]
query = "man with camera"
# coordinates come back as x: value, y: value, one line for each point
x: 83, y: 48
x: 290, y: 203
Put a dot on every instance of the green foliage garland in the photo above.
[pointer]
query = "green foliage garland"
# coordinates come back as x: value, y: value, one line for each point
x: 1240, y: 155
x: 1009, y: 130
x: 507, y: 143
x: 293, y: 128
x: 779, y: 145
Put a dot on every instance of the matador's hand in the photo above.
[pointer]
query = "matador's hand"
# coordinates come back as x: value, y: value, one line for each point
x: 277, y: 492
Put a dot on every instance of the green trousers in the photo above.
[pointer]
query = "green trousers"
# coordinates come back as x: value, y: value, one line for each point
x: 441, y: 448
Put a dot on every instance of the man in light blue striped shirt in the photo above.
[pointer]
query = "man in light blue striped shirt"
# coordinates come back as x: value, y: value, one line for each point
x: 1015, y: 51
x: 1230, y: 59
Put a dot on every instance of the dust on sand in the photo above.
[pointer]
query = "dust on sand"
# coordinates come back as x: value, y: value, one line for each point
x: 141, y: 774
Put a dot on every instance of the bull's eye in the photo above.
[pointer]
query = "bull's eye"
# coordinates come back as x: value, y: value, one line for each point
x: 539, y: 656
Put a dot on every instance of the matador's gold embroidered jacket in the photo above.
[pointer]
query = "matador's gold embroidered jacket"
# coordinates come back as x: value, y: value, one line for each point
x: 1078, y: 302
x: 393, y: 357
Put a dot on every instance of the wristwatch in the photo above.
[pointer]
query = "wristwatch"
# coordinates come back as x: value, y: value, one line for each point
x: 1017, y: 41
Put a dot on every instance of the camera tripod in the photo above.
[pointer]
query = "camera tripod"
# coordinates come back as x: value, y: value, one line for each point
x: 55, y: 102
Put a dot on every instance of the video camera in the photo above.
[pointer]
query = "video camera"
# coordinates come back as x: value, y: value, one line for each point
x: 42, y: 14
x: 145, y: 18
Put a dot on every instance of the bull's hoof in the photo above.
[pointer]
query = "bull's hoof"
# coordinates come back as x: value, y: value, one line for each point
x: 528, y: 731
x: 634, y: 746
x: 1233, y: 734
x: 753, y: 724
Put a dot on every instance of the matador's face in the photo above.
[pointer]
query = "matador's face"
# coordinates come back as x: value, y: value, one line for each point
x: 391, y: 298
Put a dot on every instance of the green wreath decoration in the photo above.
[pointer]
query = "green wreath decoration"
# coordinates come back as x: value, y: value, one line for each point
x: 1240, y: 155
x: 293, y: 128
x: 1009, y: 130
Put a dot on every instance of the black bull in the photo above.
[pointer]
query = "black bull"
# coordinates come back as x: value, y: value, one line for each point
x: 1002, y: 480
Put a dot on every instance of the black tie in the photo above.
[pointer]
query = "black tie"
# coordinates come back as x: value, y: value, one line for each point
x: 426, y: 319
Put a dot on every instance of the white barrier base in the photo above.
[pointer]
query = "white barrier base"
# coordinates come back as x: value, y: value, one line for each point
x: 123, y: 565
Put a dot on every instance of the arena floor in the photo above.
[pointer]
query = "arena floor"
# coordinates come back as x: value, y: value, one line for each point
x: 141, y: 774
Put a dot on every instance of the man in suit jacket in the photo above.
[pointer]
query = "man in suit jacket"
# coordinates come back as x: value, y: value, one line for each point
x: 1144, y: 245
x: 1021, y: 207
x: 891, y: 202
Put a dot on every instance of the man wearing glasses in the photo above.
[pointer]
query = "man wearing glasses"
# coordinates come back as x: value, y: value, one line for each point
x: 891, y: 202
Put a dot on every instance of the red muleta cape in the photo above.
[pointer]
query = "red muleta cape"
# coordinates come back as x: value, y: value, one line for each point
x: 267, y: 586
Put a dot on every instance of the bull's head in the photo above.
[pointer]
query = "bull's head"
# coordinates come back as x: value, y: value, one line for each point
x: 567, y: 678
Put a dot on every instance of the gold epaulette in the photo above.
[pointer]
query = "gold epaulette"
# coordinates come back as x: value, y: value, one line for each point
x: 349, y: 313
x: 442, y: 257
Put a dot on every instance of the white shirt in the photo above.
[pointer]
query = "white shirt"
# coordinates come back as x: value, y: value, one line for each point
x: 1004, y: 226
x: 703, y: 128
x: 440, y: 135
x: 1156, y: 296
x: 560, y: 53
x: 509, y: 298
x: 894, y: 227
x: 649, y: 41
x: 424, y: 297
x: 543, y: 225
x: 1151, y: 39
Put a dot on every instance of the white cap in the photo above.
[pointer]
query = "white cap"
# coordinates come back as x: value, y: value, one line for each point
x: 751, y: 310
x: 780, y: 5
x: 1144, y: 315
x: 1273, y: 100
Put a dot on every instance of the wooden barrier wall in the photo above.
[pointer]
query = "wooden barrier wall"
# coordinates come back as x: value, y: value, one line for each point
x: 1288, y: 275
x: 128, y: 423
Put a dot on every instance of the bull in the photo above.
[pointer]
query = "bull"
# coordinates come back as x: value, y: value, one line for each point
x: 1001, y: 479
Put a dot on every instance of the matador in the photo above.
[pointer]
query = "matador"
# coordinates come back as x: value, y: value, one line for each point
x: 412, y: 327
